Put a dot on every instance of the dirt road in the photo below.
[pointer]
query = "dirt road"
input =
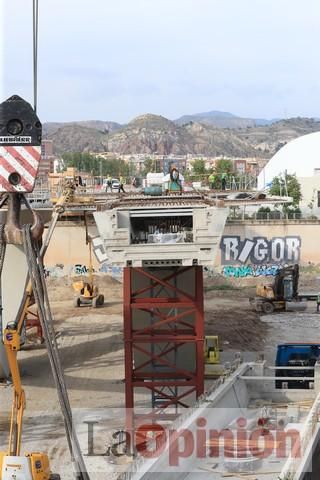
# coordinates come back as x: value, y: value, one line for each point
x: 91, y: 346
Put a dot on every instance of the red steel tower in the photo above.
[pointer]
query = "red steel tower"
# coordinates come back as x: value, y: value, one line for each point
x: 163, y: 337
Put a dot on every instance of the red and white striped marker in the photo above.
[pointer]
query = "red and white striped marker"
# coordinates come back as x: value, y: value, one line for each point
x: 18, y: 161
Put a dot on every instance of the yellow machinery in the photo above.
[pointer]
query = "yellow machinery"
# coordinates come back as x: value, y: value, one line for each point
x: 266, y: 300
x: 282, y: 294
x: 86, y: 292
x: 13, y: 465
x: 211, y: 351
x: 69, y: 187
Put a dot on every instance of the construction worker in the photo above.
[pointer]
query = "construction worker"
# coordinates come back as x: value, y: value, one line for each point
x: 223, y: 181
x: 212, y: 180
x: 121, y: 182
x: 109, y: 183
x: 318, y: 302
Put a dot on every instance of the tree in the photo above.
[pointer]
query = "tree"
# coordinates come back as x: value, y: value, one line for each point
x: 199, y: 167
x: 85, y: 162
x: 223, y: 166
x: 288, y: 186
x: 148, y: 166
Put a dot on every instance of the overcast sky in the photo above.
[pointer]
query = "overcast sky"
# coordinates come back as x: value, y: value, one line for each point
x: 114, y: 60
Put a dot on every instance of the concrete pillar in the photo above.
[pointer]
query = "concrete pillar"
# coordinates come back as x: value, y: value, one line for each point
x: 13, y: 282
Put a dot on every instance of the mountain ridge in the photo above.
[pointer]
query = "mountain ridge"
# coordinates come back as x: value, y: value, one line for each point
x: 223, y: 119
x: 150, y: 133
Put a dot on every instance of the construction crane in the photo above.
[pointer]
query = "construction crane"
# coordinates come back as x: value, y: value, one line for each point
x: 36, y: 462
x: 18, y: 177
x: 20, y: 153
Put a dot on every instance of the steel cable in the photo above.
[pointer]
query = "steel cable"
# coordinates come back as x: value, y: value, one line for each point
x: 2, y: 248
x: 37, y: 278
x: 35, y: 52
x: 2, y: 255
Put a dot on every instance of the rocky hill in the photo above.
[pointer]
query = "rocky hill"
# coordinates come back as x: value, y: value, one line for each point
x: 155, y: 134
x: 151, y: 134
x: 75, y: 138
x: 222, y: 120
x: 51, y: 127
x: 212, y: 141
x: 269, y: 139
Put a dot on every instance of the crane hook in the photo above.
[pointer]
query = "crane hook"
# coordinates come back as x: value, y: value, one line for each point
x: 12, y: 230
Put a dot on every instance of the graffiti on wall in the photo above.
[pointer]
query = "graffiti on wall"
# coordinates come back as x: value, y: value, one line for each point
x: 244, y: 271
x: 114, y: 271
x: 55, y: 271
x: 80, y: 269
x: 60, y: 270
x: 260, y: 250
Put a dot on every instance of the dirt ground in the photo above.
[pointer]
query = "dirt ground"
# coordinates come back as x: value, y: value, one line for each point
x: 91, y: 347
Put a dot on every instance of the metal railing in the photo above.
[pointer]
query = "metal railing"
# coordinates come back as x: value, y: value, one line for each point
x: 139, y: 462
x: 271, y: 216
x: 306, y: 437
x: 239, y: 182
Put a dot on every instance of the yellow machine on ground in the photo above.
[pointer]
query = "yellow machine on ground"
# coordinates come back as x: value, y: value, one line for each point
x: 87, y: 293
x: 13, y: 465
x: 282, y: 294
x: 211, y: 351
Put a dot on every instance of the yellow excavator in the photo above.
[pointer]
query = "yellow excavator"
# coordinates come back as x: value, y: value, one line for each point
x: 280, y: 295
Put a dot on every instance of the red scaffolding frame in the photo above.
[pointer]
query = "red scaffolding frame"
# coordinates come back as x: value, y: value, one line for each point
x: 163, y: 337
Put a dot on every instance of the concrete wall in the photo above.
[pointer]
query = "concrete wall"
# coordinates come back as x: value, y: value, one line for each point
x: 68, y: 246
x: 68, y: 253
x: 310, y: 186
x: 307, y: 231
x: 293, y: 237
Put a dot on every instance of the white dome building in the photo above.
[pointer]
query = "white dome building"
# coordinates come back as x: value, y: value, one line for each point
x: 301, y: 157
